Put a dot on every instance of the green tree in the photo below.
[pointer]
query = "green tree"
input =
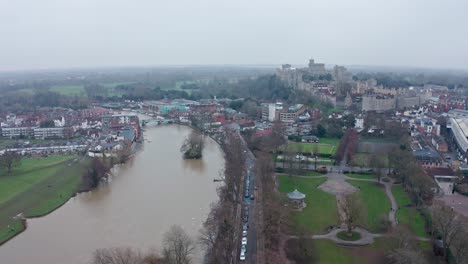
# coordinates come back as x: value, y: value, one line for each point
x: 9, y: 160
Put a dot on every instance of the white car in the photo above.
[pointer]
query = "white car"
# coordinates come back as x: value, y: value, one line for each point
x: 244, y: 233
x: 244, y: 241
x: 242, y: 256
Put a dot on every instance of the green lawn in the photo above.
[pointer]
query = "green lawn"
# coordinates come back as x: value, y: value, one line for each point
x: 375, y: 200
x: 327, y: 252
x: 407, y: 214
x: 362, y: 160
x: 178, y: 86
x: 326, y: 146
x: 361, y: 176
x: 321, y: 208
x: 69, y: 89
x: 37, y: 187
x: 380, y: 139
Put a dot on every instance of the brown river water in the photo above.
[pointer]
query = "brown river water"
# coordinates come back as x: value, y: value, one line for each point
x: 144, y: 197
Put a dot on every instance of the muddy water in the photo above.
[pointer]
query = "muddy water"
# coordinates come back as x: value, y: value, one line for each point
x: 142, y: 200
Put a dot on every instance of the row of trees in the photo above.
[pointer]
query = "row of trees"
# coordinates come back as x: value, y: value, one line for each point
x: 219, y: 232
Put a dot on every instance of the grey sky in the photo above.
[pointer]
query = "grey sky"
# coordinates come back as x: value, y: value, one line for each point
x: 89, y: 33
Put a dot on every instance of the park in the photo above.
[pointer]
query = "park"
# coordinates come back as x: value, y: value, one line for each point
x: 318, y: 228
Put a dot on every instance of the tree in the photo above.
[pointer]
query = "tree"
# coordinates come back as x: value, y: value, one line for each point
x: 47, y: 123
x: 321, y: 131
x: 9, y: 160
x: 193, y: 145
x: 353, y: 211
x: 315, y: 153
x: 116, y: 256
x: 407, y: 256
x: 95, y: 173
x: 376, y: 162
x: 124, y: 256
x: 459, y: 248
x: 178, y: 246
x: 447, y: 224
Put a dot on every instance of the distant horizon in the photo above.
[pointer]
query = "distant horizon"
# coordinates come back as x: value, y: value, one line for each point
x: 381, y: 67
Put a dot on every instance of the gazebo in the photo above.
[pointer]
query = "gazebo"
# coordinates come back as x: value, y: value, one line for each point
x: 297, y: 198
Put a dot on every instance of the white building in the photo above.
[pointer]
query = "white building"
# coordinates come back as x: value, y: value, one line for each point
x: 14, y: 132
x: 359, y: 124
x: 48, y: 132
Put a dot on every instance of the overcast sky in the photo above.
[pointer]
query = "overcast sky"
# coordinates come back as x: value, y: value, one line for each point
x: 89, y: 33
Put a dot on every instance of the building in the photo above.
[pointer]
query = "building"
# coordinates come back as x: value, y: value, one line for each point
x: 459, y: 133
x: 49, y: 132
x: 269, y: 112
x: 378, y: 103
x: 292, y: 113
x: 439, y: 143
x: 17, y: 132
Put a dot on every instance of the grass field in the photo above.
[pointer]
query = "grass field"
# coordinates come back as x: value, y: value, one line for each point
x: 178, y: 86
x: 361, y: 176
x: 321, y: 210
x: 69, y: 89
x: 375, y: 200
x: 326, y: 146
x: 37, y: 187
x: 407, y: 214
x: 323, y: 251
x: 362, y: 160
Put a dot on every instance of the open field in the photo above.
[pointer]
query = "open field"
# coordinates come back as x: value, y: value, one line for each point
x: 178, y: 86
x: 361, y: 176
x: 69, y: 89
x: 326, y: 146
x: 407, y: 214
x: 362, y: 160
x: 375, y: 200
x: 36, y: 188
x: 321, y: 210
x: 327, y: 252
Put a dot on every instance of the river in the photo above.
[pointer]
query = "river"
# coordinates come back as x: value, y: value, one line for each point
x: 144, y: 197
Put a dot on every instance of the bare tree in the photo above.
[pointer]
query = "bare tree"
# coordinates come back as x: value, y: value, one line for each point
x: 9, y: 160
x: 116, y: 256
x: 178, y: 246
x: 447, y: 224
x: 95, y: 173
x: 407, y: 256
x: 376, y: 162
x: 315, y: 154
x: 353, y: 211
x: 193, y: 145
x: 459, y: 248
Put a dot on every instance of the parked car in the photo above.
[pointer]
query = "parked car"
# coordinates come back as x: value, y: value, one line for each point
x: 245, y: 226
x: 244, y: 241
x: 252, y: 197
x: 244, y: 233
x: 242, y: 256
x: 243, y: 248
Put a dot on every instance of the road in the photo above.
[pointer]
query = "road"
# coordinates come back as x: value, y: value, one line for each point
x: 252, y: 231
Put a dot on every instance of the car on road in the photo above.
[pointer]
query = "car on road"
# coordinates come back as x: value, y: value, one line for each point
x: 246, y: 219
x: 252, y: 197
x: 243, y: 248
x: 242, y: 256
x: 244, y: 241
x: 245, y: 226
x: 244, y: 233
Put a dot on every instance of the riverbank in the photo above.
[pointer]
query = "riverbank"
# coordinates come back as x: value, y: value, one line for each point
x: 36, y: 188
